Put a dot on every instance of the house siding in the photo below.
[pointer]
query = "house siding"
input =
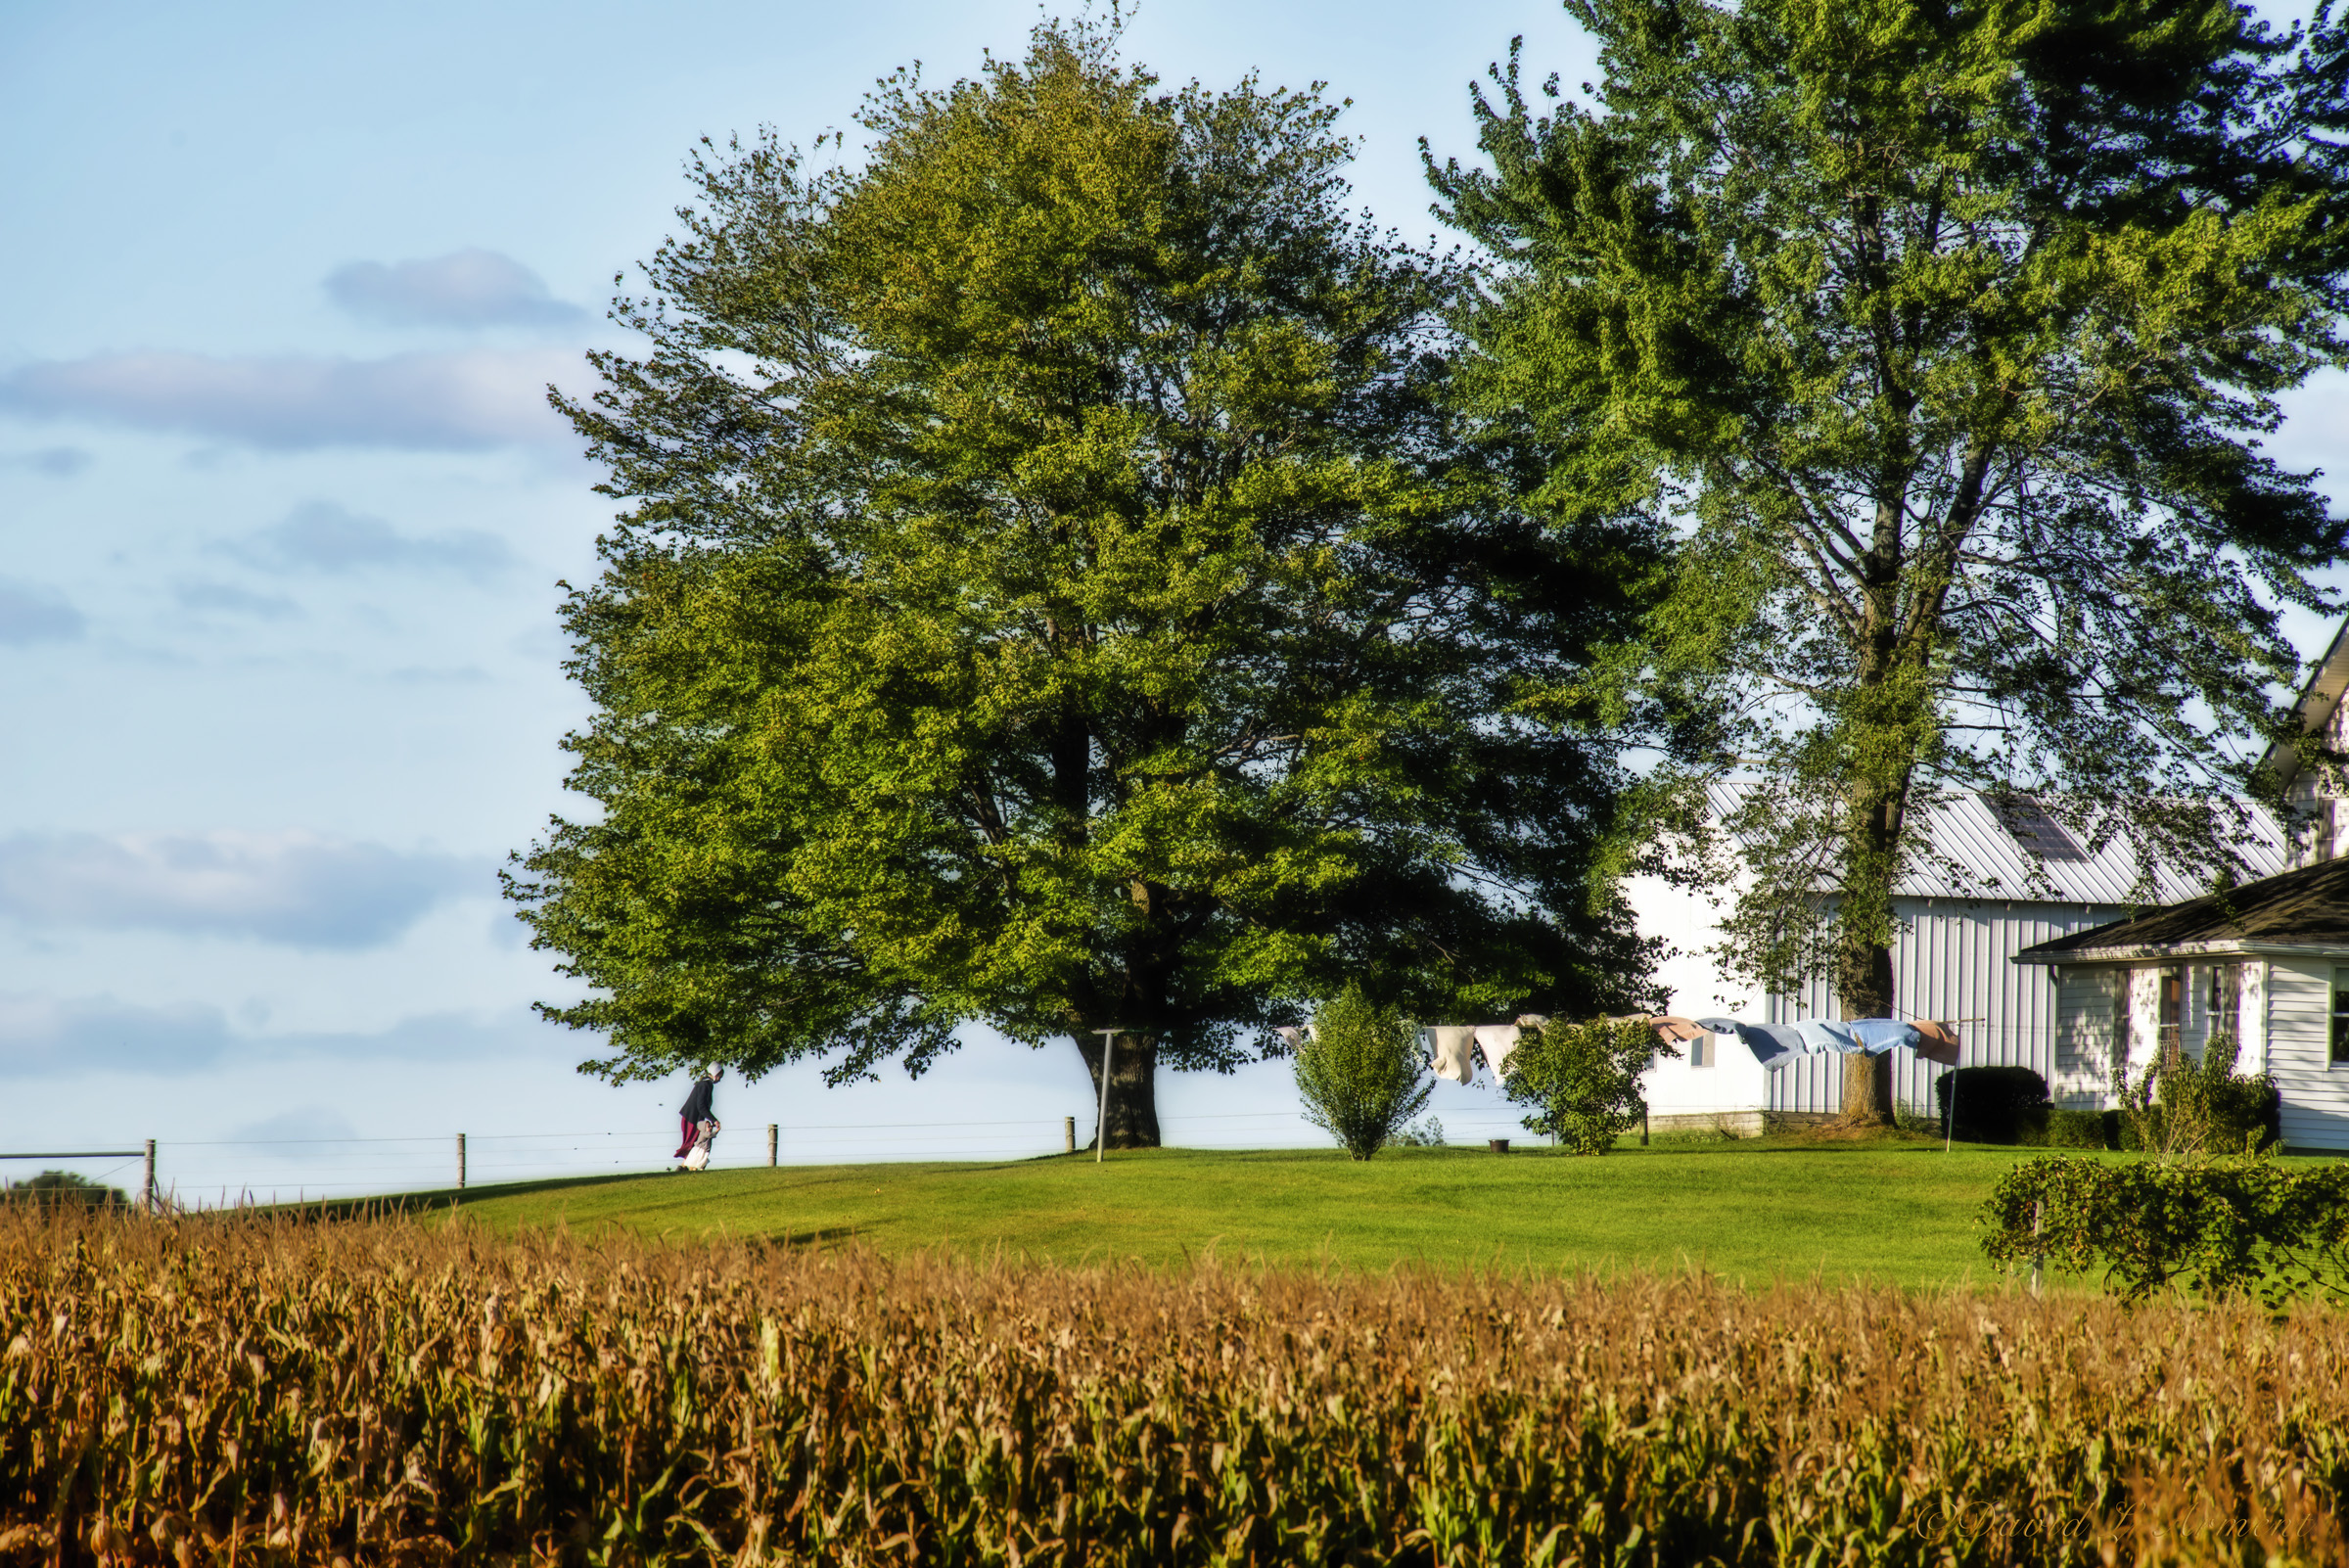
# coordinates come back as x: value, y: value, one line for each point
x: 2299, y: 1020
x: 2085, y: 1012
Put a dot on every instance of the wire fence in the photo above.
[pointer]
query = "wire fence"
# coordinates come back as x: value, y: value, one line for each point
x: 226, y: 1173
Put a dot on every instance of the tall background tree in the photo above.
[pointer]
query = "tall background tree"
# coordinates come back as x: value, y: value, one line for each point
x: 1054, y: 594
x: 1944, y: 335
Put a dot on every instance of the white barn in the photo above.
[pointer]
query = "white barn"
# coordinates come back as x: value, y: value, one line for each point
x: 2267, y: 962
x: 1951, y: 961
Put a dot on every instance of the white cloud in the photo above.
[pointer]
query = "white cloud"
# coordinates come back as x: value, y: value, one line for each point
x: 471, y: 288
x: 46, y: 1035
x: 51, y: 1035
x: 227, y: 599
x: 321, y: 536
x: 30, y: 614
x: 291, y: 1134
x: 302, y: 889
x: 465, y: 401
x: 57, y: 462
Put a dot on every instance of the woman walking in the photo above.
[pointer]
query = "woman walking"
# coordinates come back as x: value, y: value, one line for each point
x: 698, y: 1109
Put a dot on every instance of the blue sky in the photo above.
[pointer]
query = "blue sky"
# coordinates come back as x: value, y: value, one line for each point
x: 284, y: 512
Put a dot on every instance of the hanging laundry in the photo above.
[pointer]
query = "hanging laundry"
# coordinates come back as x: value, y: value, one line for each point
x: 1774, y: 1045
x: 1876, y: 1035
x: 1297, y: 1037
x: 1497, y: 1040
x: 1451, y: 1043
x: 1936, y: 1042
x: 1675, y: 1029
x: 1533, y: 1020
x: 1819, y: 1035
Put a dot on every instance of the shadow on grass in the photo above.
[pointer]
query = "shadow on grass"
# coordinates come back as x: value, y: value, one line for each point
x: 811, y: 1240
x: 393, y: 1204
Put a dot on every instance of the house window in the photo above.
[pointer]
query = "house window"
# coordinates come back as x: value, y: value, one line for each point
x: 2120, y: 1018
x: 2227, y: 1001
x: 1700, y: 1052
x: 2339, y: 1057
x: 2173, y: 997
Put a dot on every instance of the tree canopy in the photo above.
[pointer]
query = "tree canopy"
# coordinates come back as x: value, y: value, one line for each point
x: 1944, y: 336
x: 1054, y: 593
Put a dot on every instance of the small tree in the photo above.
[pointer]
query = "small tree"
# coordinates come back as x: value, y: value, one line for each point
x: 1583, y: 1079
x: 62, y: 1189
x: 1361, y: 1072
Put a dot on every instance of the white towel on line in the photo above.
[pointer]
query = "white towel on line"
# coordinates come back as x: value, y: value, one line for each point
x: 1497, y: 1040
x: 1452, y: 1044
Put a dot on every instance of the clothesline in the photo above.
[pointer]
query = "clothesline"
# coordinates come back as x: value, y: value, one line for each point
x: 1454, y: 1048
x: 1776, y: 1045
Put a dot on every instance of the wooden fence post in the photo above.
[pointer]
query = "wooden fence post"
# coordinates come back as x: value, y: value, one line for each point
x: 1067, y: 1135
x: 147, y: 1188
x: 773, y: 1136
x: 460, y: 1162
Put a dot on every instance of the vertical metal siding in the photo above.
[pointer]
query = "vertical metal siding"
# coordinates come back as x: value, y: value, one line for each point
x: 1949, y: 962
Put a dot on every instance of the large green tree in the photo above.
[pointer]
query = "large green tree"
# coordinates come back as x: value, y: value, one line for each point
x: 1943, y: 334
x: 1054, y: 594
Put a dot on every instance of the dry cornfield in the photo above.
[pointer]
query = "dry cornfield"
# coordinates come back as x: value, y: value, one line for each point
x: 252, y: 1391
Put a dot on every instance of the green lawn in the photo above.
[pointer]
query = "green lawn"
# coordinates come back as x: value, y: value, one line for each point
x: 1898, y: 1212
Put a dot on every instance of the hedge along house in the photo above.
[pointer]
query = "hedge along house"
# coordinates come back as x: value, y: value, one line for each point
x: 2267, y: 962
x: 1965, y: 909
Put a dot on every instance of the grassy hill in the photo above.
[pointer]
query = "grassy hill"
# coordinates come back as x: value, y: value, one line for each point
x: 1897, y: 1211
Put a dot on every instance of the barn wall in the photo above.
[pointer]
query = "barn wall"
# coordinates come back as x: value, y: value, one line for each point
x: 1729, y: 1080
x: 1950, y: 962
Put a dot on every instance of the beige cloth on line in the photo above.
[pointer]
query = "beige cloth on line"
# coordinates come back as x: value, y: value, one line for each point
x: 1936, y: 1042
x: 1498, y: 1042
x: 1451, y: 1043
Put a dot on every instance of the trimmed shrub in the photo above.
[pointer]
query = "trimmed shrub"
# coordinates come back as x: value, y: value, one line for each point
x: 2227, y: 1227
x: 1995, y: 1104
x: 2082, y: 1130
x: 1360, y: 1073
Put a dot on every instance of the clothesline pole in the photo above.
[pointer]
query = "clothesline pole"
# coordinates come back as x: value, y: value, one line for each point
x: 1108, y: 1045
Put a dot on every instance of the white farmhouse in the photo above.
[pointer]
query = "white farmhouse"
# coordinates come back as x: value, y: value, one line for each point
x: 1966, y: 912
x: 2267, y: 962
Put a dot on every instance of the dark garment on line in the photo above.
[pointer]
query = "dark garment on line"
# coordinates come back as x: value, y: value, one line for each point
x: 697, y: 1104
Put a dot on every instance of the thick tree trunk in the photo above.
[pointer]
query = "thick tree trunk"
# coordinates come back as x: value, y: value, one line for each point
x: 1863, y: 959
x: 1133, y: 1119
x: 1867, y: 1090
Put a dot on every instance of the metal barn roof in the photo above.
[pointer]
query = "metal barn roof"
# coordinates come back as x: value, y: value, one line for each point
x: 1996, y: 841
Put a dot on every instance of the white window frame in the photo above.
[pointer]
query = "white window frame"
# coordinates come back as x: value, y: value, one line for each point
x: 2336, y: 1034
